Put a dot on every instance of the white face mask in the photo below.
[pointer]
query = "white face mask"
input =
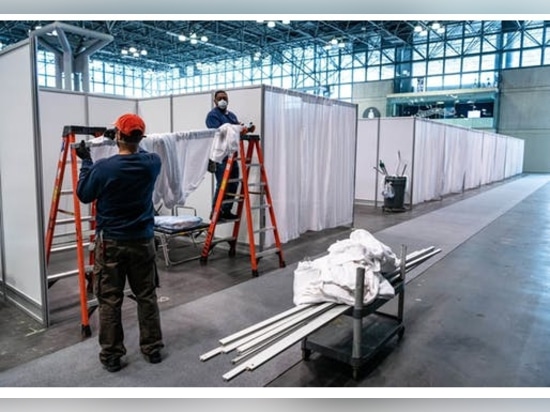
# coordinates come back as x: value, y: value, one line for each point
x: 222, y: 104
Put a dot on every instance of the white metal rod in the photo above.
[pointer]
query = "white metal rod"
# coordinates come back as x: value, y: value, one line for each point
x: 300, y: 318
x: 288, y: 341
x: 231, y: 345
x: 266, y: 342
x: 260, y: 325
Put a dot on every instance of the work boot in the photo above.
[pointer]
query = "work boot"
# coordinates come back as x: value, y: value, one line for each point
x: 154, y: 357
x: 112, y: 365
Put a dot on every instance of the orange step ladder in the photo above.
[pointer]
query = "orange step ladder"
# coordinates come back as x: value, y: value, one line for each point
x: 68, y: 156
x: 261, y: 189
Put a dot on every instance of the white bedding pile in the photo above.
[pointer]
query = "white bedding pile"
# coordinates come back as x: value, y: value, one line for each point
x: 332, y: 278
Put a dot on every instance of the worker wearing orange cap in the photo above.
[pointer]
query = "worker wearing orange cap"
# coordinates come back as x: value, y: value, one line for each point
x: 122, y: 186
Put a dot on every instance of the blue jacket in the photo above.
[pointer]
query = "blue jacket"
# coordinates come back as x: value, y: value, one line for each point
x: 216, y: 117
x: 123, y: 187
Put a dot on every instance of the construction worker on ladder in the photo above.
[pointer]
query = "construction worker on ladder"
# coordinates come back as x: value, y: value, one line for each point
x: 124, y: 249
x: 216, y: 117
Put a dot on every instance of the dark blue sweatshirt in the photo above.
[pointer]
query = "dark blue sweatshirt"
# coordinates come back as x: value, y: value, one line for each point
x: 216, y: 117
x: 123, y: 187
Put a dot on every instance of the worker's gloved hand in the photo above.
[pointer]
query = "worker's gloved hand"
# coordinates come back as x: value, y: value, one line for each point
x: 247, y: 128
x: 82, y: 151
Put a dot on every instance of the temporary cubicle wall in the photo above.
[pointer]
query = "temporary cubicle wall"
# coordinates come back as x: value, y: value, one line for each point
x: 308, y: 143
x: 22, y: 246
x: 441, y: 159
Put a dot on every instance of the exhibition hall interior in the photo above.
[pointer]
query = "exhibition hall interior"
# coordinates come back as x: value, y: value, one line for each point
x: 386, y: 226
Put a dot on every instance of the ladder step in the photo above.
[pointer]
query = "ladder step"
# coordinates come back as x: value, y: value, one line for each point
x: 67, y: 192
x: 267, y: 252
x: 264, y: 229
x: 69, y: 273
x: 67, y: 221
x: 264, y: 206
x: 85, y: 233
x: 222, y: 239
x: 68, y: 247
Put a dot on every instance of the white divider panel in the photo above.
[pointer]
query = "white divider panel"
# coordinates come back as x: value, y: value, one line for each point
x: 103, y: 111
x: 157, y: 114
x: 246, y: 103
x: 366, y: 177
x: 57, y: 110
x: 189, y: 113
x: 21, y: 194
x: 396, y: 134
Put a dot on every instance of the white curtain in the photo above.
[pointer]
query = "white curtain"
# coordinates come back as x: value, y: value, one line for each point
x: 473, y: 160
x: 514, y: 156
x: 429, y: 166
x: 309, y: 156
x: 455, y: 153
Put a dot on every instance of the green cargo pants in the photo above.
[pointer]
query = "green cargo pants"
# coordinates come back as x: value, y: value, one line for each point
x: 116, y: 261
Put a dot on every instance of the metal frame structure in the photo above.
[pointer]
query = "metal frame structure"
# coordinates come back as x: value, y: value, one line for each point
x: 321, y: 57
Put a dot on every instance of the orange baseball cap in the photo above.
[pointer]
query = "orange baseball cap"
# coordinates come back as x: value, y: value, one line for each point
x: 130, y: 124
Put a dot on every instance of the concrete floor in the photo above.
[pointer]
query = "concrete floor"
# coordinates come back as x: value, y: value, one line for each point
x: 482, y: 327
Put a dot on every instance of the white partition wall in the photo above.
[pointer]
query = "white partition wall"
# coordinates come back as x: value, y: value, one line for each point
x: 441, y: 158
x: 157, y: 114
x: 366, y: 182
x: 23, y: 263
x: 102, y: 111
x: 57, y: 109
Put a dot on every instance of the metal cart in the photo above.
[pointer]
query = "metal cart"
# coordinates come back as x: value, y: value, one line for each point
x: 363, y: 330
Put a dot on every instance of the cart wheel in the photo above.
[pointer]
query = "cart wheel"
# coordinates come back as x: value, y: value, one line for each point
x: 85, y: 331
x: 306, y: 354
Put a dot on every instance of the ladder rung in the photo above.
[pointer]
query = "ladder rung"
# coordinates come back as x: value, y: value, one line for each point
x: 85, y: 233
x: 264, y: 206
x: 68, y: 247
x: 267, y: 252
x: 67, y: 212
x: 223, y: 239
x: 67, y: 192
x: 66, y: 221
x: 264, y: 229
x: 68, y: 273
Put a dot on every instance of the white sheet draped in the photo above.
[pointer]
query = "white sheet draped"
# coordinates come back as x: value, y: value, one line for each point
x: 184, y: 157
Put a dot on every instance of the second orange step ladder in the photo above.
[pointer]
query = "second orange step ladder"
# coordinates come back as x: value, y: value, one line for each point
x: 246, y: 155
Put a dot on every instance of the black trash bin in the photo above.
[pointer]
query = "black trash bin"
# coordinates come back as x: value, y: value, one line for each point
x: 395, y: 203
